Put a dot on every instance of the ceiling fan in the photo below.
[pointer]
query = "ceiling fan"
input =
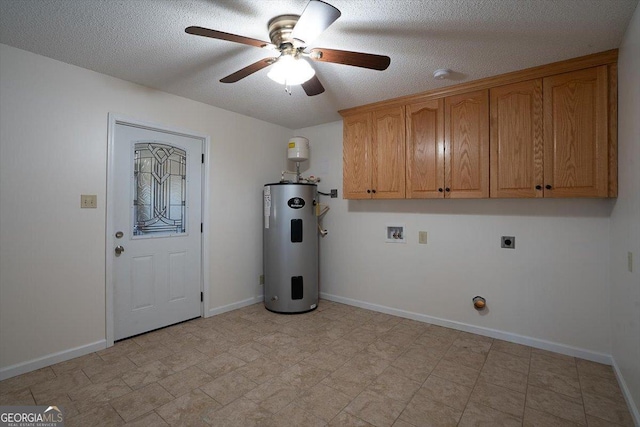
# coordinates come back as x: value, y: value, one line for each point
x: 290, y: 35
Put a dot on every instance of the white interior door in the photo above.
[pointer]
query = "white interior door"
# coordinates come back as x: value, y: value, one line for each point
x: 156, y: 246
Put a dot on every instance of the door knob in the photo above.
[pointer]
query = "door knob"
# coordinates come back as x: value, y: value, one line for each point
x: 119, y: 250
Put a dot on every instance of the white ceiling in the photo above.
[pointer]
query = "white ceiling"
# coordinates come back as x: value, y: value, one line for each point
x: 143, y: 41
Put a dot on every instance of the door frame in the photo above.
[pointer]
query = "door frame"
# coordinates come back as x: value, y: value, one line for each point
x: 115, y: 119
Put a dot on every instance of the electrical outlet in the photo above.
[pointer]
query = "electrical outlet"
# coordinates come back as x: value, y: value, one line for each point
x: 334, y: 193
x: 508, y: 242
x: 88, y: 201
x: 262, y: 279
x: 422, y: 237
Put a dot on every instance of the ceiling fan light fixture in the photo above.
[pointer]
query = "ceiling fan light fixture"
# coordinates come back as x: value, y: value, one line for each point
x: 290, y: 71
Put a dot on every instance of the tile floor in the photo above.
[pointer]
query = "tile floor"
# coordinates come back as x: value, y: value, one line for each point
x: 336, y: 366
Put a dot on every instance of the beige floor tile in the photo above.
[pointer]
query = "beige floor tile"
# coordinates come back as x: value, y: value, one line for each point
x: 456, y: 373
x: 499, y: 398
x: 424, y: 412
x: 293, y: 416
x: 106, y: 371
x: 511, y: 348
x: 556, y: 404
x: 184, y: 381
x: 250, y: 351
x: 567, y: 385
x: 392, y: 383
x: 148, y: 353
x: 151, y: 339
x: 118, y: 350
x: 599, y: 422
x: 261, y: 370
x: 445, y: 392
x: 20, y: 382
x: 327, y: 359
x: 597, y: 369
x: 304, y: 375
x: 229, y: 387
x: 436, y: 345
x: 534, y: 418
x: 348, y: 381
x: 344, y: 419
x: 399, y: 339
x: 241, y: 412
x: 504, y: 378
x: 416, y: 363
x: 401, y: 423
x: 149, y: 420
x: 290, y: 355
x: 346, y: 347
x: 182, y: 360
x: 367, y: 364
x: 480, y: 415
x: 220, y: 365
x: 475, y: 343
x: 146, y: 374
x: 466, y: 357
x: 600, y: 386
x: 323, y: 402
x: 554, y: 355
x: 443, y: 332
x: 188, y: 410
x: 502, y: 360
x: 361, y: 335
x: 139, y: 402
x: 375, y: 408
x: 277, y: 340
x: 562, y: 365
x: 47, y: 391
x: 18, y: 397
x: 99, y: 416
x: 86, y: 397
x: 76, y: 363
x: 614, y: 410
x: 274, y: 395
x: 384, y: 350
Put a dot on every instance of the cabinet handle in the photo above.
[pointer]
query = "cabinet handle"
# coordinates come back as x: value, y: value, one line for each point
x: 548, y: 187
x: 368, y: 191
x: 538, y: 187
x: 373, y: 191
x: 447, y: 189
x: 440, y: 190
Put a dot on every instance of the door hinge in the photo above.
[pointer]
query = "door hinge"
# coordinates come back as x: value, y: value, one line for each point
x: 201, y: 228
x: 201, y: 296
x: 203, y: 158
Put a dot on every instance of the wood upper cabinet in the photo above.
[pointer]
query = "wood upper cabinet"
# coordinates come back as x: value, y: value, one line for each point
x: 466, y: 141
x: 425, y: 149
x: 576, y: 133
x: 373, y: 155
x: 357, y: 156
x: 517, y: 140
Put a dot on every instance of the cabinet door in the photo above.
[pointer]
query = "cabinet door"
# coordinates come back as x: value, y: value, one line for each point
x: 575, y: 134
x: 387, y: 165
x: 425, y: 149
x: 356, y: 146
x: 517, y: 140
x: 467, y: 145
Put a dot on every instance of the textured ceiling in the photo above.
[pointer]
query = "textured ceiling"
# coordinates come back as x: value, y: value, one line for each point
x: 143, y: 41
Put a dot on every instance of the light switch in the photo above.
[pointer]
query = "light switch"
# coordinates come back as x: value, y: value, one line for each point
x: 88, y: 201
x: 422, y: 237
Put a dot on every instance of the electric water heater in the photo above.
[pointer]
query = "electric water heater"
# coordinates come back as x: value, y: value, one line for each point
x: 290, y: 247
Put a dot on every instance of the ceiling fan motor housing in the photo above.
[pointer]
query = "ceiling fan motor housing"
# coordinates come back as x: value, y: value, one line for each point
x: 280, y: 29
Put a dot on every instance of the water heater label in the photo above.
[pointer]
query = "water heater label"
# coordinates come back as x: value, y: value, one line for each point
x: 296, y: 203
x: 267, y: 205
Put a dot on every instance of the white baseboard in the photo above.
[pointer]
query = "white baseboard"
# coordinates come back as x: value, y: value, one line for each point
x: 235, y: 305
x: 50, y: 359
x: 633, y: 408
x: 493, y: 333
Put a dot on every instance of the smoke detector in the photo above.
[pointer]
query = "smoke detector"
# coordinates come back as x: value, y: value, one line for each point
x: 441, y: 74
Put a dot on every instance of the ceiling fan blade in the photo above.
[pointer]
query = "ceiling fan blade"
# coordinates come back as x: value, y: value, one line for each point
x: 316, y: 18
x: 214, y: 34
x: 357, y: 59
x: 313, y: 86
x: 248, y: 70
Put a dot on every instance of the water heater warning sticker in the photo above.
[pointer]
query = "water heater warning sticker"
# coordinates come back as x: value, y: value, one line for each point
x: 267, y: 205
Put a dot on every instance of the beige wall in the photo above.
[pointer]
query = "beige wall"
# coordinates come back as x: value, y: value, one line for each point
x: 625, y: 219
x: 53, y: 147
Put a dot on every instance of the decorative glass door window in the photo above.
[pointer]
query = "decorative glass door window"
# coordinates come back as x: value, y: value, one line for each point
x: 160, y: 188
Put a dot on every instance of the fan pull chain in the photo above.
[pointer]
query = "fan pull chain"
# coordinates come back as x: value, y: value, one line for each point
x: 287, y: 88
